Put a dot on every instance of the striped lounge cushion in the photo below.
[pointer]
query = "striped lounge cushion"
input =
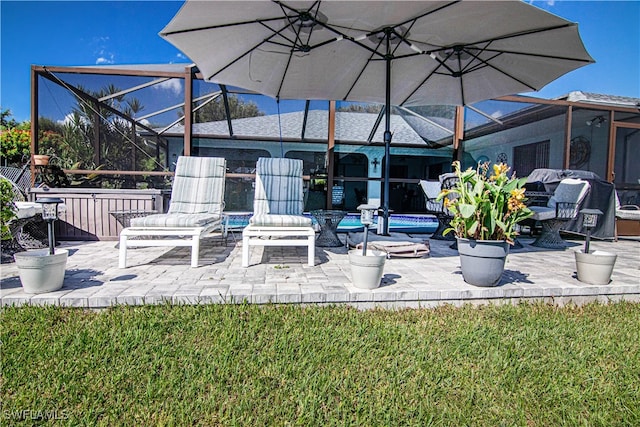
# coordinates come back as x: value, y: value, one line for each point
x: 268, y: 220
x: 279, y: 187
x: 198, y: 186
x: 177, y: 220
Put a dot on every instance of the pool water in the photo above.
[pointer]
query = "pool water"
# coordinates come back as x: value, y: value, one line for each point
x: 400, y: 223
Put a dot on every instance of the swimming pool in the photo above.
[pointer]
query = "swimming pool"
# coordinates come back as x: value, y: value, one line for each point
x: 400, y: 223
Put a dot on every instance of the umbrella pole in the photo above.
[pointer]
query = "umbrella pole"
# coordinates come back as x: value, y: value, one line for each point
x: 387, y: 145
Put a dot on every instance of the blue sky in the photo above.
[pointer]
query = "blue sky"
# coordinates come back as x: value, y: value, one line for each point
x: 126, y: 32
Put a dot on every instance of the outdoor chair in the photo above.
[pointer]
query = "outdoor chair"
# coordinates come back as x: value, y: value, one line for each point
x: 563, y: 206
x: 431, y: 190
x: 195, y: 210
x: 20, y: 177
x: 23, y: 215
x: 277, y: 209
x: 28, y: 229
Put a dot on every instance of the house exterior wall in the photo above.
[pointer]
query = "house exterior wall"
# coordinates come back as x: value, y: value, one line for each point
x: 493, y: 145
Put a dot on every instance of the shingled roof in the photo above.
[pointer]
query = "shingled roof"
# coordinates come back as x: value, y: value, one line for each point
x: 596, y: 98
x: 350, y: 127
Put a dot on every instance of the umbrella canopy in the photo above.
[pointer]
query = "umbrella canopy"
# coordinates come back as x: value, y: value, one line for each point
x: 393, y: 52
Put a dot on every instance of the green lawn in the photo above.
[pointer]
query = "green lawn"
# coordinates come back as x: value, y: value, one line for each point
x: 530, y: 365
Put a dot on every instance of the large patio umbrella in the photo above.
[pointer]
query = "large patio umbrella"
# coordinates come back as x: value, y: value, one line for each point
x: 392, y: 52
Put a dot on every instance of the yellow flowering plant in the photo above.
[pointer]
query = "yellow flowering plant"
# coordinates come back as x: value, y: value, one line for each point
x: 486, y: 206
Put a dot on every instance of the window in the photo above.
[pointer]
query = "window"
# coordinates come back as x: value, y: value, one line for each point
x: 528, y: 157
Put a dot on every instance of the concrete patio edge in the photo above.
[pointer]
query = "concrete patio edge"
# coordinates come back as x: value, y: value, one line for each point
x: 281, y: 276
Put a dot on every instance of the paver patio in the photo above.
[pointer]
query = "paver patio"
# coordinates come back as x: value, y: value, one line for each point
x: 281, y: 275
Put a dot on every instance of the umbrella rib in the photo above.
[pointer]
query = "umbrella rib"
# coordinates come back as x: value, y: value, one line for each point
x: 291, y: 22
x: 247, y: 52
x: 263, y: 22
x: 512, y: 77
x: 537, y: 55
x: 470, y: 67
x: 524, y: 33
x: 290, y: 18
x: 402, y: 37
x: 215, y: 27
x: 293, y: 48
x: 292, y: 43
x: 355, y: 81
x: 421, y: 84
x: 486, y: 63
x: 306, y: 46
x: 443, y: 63
x: 489, y: 64
x: 284, y: 74
x: 334, y: 29
x: 376, y: 124
x: 416, y: 18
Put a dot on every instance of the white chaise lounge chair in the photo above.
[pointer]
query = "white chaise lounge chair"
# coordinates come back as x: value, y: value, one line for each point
x: 197, y: 202
x: 277, y: 209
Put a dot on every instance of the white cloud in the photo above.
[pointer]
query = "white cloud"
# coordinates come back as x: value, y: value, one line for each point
x: 101, y: 50
x: 102, y: 60
x: 105, y: 57
x: 180, y: 57
x: 69, y: 119
x: 171, y: 85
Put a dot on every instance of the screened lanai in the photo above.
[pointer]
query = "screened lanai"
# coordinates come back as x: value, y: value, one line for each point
x: 122, y: 127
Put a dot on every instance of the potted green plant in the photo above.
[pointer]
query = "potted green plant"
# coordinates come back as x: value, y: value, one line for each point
x: 486, y: 206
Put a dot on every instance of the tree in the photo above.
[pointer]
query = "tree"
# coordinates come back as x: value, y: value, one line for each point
x: 117, y: 149
x: 6, y: 120
x: 15, y: 139
x: 72, y: 142
x: 214, y: 111
x: 360, y: 108
x: 68, y: 141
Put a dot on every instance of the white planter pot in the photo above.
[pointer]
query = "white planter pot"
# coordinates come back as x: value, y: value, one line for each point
x: 596, y: 267
x: 367, y: 270
x: 41, y: 272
